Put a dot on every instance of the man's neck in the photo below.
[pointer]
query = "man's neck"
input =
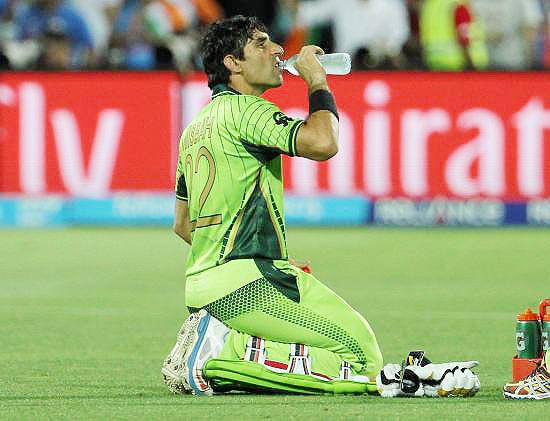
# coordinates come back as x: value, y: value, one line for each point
x: 244, y: 88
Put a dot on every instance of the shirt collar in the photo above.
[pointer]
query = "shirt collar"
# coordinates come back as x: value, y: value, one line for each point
x: 223, y: 89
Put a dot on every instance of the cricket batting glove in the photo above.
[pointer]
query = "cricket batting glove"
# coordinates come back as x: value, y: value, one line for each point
x: 390, y: 380
x: 418, y: 376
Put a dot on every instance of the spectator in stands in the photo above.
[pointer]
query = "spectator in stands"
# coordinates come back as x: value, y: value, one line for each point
x: 293, y: 37
x: 128, y: 47
x: 172, y: 26
x: 452, y: 40
x: 152, y: 34
x: 4, y: 61
x: 374, y: 31
x: 5, y: 17
x: 265, y: 10
x: 99, y: 17
x: 4, y: 34
x: 34, y: 19
x: 412, y: 49
x: 56, y: 52
x: 545, y: 35
x: 511, y: 30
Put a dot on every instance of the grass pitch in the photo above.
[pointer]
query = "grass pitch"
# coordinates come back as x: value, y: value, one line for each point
x: 87, y: 315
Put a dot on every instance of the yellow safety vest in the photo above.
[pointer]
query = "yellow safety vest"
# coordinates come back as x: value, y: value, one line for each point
x: 440, y: 45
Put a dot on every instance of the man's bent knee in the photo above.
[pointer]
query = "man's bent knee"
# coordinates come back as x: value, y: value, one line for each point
x: 374, y: 363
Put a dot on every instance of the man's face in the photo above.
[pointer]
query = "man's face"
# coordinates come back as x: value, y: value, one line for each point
x: 57, y: 54
x: 259, y: 67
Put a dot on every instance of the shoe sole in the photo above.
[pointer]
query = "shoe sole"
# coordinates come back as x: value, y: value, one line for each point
x: 183, y: 352
x: 508, y: 395
x: 201, y: 333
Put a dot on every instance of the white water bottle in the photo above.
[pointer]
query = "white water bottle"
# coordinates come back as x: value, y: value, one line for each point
x: 334, y: 64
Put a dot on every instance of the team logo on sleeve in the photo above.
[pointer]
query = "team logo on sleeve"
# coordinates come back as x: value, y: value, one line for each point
x: 281, y: 119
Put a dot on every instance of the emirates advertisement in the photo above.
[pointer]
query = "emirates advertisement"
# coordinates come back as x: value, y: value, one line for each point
x: 424, y: 135
x: 415, y: 148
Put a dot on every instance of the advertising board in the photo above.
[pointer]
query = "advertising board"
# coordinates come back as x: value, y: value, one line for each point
x: 87, y: 134
x: 415, y: 148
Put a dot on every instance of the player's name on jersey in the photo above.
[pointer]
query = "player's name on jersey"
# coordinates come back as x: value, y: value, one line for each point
x: 200, y: 131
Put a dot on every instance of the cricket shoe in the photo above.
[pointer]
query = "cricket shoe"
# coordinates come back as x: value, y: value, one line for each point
x: 535, y: 386
x: 200, y: 338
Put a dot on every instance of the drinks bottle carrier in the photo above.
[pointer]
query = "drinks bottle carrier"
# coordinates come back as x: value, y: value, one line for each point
x: 532, y: 339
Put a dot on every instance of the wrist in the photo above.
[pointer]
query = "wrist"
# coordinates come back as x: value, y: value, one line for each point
x: 316, y: 84
x: 322, y: 99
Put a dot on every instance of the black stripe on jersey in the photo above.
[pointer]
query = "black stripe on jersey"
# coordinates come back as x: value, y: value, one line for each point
x: 280, y: 220
x: 274, y: 127
x: 280, y: 141
x: 256, y: 235
x: 206, y: 221
x: 292, y: 138
x: 252, y: 117
x: 221, y: 141
x: 236, y: 222
x: 244, y: 113
x: 181, y: 187
x: 228, y: 234
x: 286, y: 284
x: 268, y: 109
x: 261, y: 153
x: 231, y: 102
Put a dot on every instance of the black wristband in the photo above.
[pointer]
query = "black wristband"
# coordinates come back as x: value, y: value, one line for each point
x: 322, y: 99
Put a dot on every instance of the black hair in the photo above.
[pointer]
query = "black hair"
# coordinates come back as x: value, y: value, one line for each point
x: 223, y: 37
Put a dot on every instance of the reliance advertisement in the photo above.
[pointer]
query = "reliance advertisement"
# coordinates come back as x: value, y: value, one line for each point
x: 415, y: 148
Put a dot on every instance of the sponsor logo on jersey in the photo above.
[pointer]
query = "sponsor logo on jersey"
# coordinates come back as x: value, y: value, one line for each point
x: 281, y: 119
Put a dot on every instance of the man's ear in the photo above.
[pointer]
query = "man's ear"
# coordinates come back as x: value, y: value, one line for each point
x: 232, y: 63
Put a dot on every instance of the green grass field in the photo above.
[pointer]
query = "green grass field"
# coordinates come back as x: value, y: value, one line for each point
x: 87, y: 315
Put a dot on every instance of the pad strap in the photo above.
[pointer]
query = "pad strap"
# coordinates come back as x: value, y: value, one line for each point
x: 345, y: 371
x: 255, y: 350
x: 299, y: 362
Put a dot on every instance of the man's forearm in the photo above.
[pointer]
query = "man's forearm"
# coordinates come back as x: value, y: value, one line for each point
x: 183, y: 232
x: 315, y: 85
x: 185, y: 238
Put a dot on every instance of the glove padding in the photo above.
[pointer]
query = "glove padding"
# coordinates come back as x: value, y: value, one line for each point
x: 389, y: 383
x: 448, y: 379
x: 417, y: 376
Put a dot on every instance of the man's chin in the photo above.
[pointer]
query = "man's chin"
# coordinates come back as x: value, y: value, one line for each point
x: 277, y: 82
x: 273, y: 84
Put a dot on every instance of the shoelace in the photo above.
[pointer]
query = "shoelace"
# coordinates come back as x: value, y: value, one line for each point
x: 537, y: 380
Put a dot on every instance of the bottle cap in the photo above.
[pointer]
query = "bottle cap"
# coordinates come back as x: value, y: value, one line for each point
x: 528, y: 316
x: 542, y: 307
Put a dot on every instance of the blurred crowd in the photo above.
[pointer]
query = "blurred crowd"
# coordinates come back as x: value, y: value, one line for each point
x: 449, y: 35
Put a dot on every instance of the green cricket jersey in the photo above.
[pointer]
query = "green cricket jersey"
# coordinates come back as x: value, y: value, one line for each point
x: 229, y: 170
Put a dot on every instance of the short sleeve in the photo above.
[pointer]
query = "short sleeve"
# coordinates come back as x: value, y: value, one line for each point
x: 264, y: 125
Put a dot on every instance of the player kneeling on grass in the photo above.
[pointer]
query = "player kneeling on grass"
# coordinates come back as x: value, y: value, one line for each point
x: 258, y: 322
